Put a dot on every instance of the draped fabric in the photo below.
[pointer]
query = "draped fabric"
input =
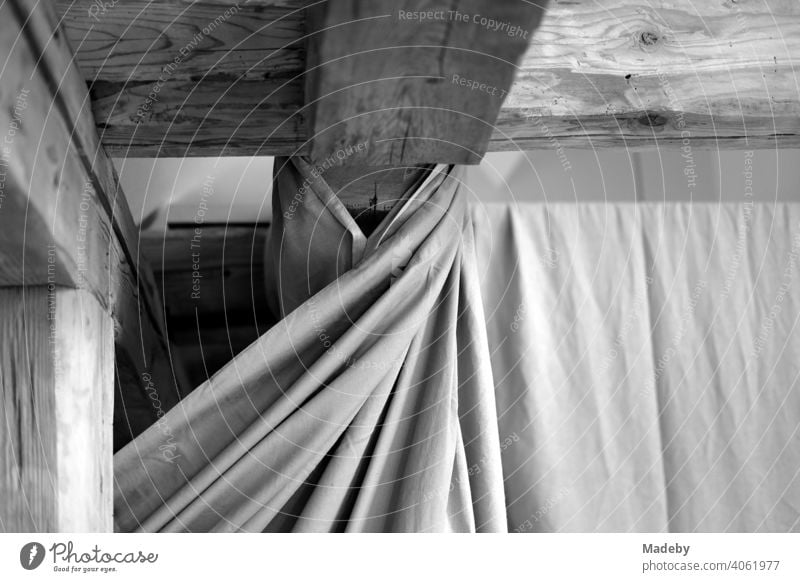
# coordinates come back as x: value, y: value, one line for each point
x: 365, y: 409
x: 496, y: 368
x: 647, y: 364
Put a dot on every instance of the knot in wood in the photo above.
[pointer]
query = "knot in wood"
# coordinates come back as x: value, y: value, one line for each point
x: 653, y: 119
x: 649, y: 38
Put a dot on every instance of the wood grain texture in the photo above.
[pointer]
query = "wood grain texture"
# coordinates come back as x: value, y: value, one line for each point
x: 143, y: 38
x: 721, y: 74
x: 39, y: 159
x: 56, y: 378
x: 619, y: 73
x: 84, y: 398
x: 60, y: 189
x: 28, y: 495
x: 414, y: 81
x: 227, y: 116
x: 183, y: 78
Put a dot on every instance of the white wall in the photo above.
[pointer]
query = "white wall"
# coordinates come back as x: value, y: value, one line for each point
x: 233, y: 189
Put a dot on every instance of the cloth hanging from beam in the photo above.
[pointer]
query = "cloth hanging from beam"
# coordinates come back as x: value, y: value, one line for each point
x: 526, y: 368
x: 647, y: 364
x: 365, y: 409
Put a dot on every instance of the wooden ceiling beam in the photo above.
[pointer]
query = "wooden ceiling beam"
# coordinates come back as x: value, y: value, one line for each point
x: 630, y: 74
x: 192, y: 78
x: 624, y: 73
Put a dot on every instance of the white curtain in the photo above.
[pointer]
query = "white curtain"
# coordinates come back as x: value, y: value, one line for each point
x: 526, y: 368
x: 646, y: 362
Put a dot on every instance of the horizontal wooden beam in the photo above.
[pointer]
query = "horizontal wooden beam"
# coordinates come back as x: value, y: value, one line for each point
x: 192, y: 79
x: 620, y: 73
x: 627, y: 73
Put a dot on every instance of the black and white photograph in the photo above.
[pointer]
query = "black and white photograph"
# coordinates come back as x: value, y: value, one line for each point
x: 425, y: 267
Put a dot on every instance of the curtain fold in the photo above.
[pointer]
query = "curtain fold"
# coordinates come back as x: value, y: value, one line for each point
x: 346, y: 415
x: 647, y: 364
x: 530, y: 368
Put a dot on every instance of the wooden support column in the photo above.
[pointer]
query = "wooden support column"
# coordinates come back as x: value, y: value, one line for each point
x: 56, y: 374
x: 65, y: 228
x: 60, y: 188
x: 393, y: 85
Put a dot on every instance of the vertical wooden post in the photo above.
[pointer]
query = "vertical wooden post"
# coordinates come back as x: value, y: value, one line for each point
x: 398, y: 83
x: 73, y: 292
x: 56, y: 378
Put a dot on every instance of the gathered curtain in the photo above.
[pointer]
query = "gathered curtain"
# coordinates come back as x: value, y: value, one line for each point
x: 495, y: 368
x: 368, y: 407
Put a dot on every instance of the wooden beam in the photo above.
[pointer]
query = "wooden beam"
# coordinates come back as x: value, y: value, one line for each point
x: 619, y: 73
x: 56, y: 370
x: 412, y: 81
x: 59, y: 191
x: 628, y: 74
x: 186, y: 79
